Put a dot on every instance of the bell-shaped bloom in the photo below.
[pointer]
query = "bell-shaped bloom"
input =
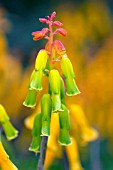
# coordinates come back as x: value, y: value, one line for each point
x: 73, y: 156
x: 86, y: 132
x: 64, y: 120
x: 36, y: 134
x: 61, y: 31
x: 9, y: 129
x: 41, y: 60
x: 69, y: 75
x: 62, y: 92
x: 40, y: 34
x: 46, y: 109
x: 54, y: 81
x: 5, y: 163
x: 59, y: 47
x: 30, y: 100
x: 36, y: 80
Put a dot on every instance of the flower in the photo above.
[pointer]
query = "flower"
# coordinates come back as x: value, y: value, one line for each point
x: 5, y: 162
x: 9, y: 129
x: 40, y: 34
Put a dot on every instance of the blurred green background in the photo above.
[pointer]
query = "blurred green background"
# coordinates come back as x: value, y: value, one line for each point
x: 89, y: 44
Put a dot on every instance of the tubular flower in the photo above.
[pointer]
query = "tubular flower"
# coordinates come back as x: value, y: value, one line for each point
x: 64, y: 121
x: 5, y: 163
x: 36, y: 134
x: 9, y: 129
x: 36, y: 76
x: 46, y: 108
x: 62, y: 92
x: 54, y: 80
x: 69, y: 75
x: 73, y: 156
x: 30, y: 100
x: 87, y: 133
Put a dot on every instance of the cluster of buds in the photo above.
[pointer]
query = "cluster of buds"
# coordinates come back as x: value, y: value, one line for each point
x: 11, y: 133
x: 59, y: 85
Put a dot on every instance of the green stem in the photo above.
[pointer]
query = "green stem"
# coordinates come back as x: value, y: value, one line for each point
x: 42, y: 153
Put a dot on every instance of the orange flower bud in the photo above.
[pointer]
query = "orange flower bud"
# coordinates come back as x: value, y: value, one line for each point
x: 57, y: 23
x: 60, y: 49
x: 61, y: 31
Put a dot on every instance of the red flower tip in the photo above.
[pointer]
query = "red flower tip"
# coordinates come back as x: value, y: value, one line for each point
x: 60, y: 49
x: 43, y: 20
x: 53, y: 15
x: 61, y: 31
x: 40, y: 34
x: 57, y: 23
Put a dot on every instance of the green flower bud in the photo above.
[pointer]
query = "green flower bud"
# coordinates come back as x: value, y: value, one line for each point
x: 62, y: 92
x: 41, y: 60
x: 71, y: 87
x: 36, y: 134
x: 46, y: 108
x: 64, y: 120
x: 3, y: 115
x: 56, y: 103
x: 67, y: 69
x: 30, y: 100
x: 36, y: 80
x: 9, y: 130
x: 54, y: 80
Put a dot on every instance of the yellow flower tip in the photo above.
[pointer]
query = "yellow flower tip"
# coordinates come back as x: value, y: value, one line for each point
x: 76, y: 166
x: 29, y: 121
x: 68, y: 94
x: 89, y: 134
x: 3, y: 115
x: 5, y: 163
x: 28, y: 105
x: 9, y: 138
x: 65, y: 143
x: 36, y: 150
x: 44, y: 134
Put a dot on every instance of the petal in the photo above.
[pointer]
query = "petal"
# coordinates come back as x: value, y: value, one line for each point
x: 45, y: 31
x: 61, y: 31
x: 60, y: 49
x: 57, y: 23
x: 43, y: 20
x: 53, y: 15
